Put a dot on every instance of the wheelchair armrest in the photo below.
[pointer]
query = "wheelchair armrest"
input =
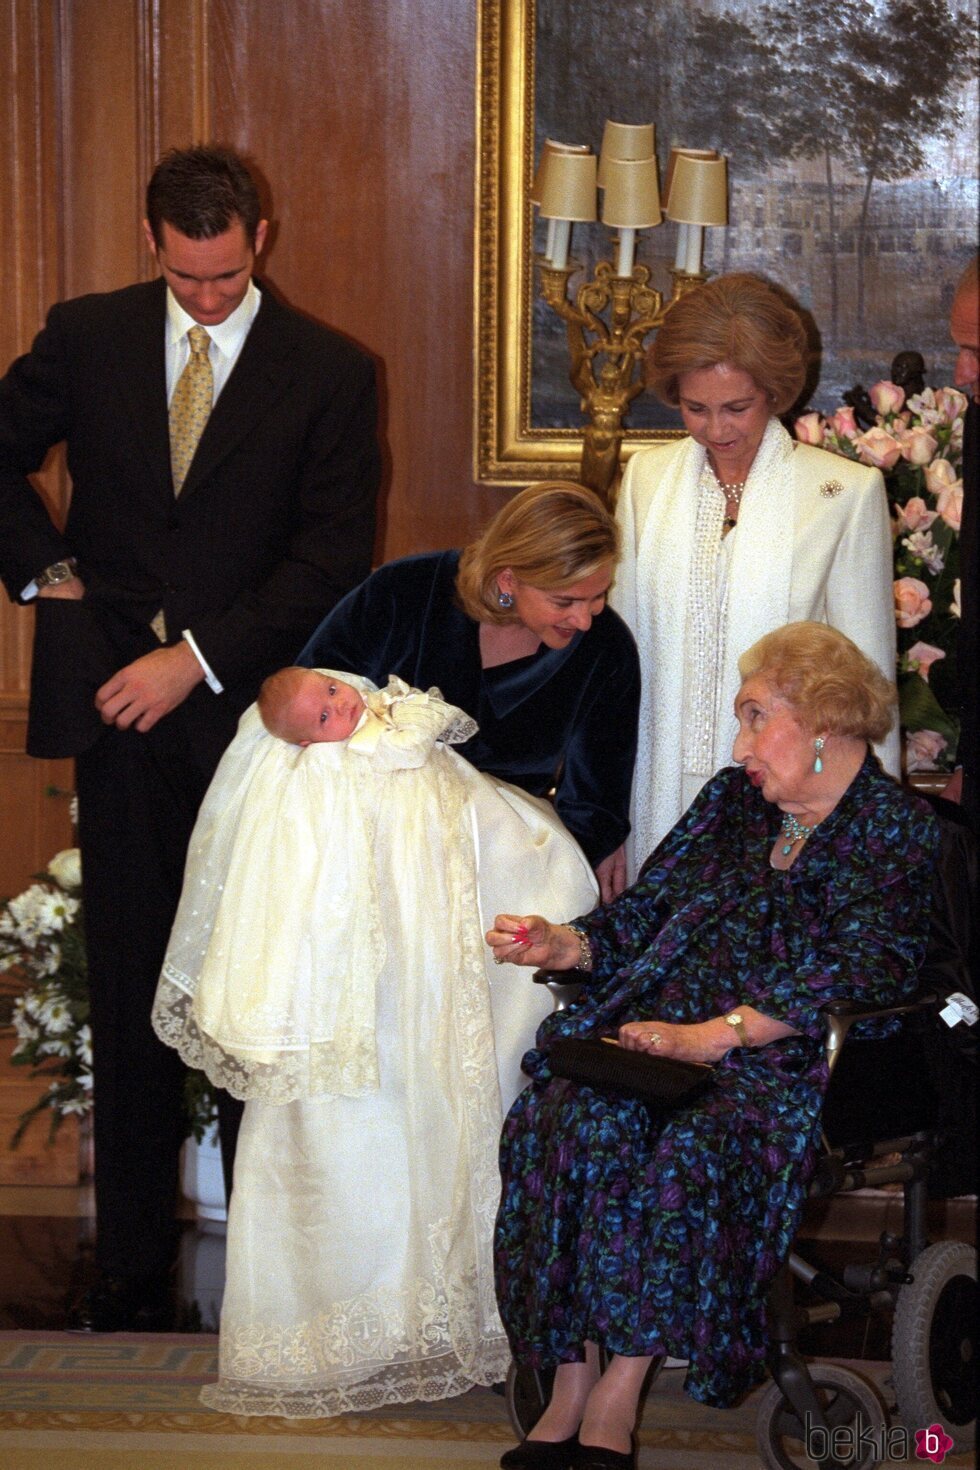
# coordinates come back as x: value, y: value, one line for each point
x: 563, y: 984
x: 560, y: 977
x: 841, y: 1015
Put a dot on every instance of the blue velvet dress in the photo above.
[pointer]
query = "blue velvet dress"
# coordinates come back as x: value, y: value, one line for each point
x: 563, y: 718
x: 665, y: 1238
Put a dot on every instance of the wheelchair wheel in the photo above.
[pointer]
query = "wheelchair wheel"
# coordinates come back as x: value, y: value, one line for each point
x: 853, y: 1412
x: 527, y: 1392
x: 934, y: 1355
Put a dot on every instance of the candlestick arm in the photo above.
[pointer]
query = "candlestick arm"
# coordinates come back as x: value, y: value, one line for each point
x: 607, y: 357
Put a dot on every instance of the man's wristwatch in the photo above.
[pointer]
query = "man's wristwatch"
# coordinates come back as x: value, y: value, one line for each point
x: 57, y: 572
x: 734, y: 1019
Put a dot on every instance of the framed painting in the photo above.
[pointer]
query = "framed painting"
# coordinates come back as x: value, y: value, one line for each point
x: 851, y: 139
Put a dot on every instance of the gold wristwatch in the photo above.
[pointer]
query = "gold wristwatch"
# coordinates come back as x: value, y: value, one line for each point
x: 734, y: 1019
x: 56, y: 573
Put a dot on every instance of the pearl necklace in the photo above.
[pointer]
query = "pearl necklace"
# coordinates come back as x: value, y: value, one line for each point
x: 794, y: 831
x: 732, y: 493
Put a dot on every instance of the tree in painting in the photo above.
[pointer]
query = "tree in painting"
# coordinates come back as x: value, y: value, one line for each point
x: 852, y: 167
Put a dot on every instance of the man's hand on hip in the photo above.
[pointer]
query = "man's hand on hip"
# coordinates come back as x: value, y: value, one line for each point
x: 149, y: 688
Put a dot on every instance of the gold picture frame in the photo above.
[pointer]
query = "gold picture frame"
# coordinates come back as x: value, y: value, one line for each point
x: 509, y: 448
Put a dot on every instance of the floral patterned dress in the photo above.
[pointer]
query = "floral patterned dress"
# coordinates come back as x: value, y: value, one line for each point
x: 664, y: 1237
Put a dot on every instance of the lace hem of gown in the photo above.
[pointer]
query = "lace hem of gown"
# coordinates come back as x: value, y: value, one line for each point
x: 416, y: 1382
x: 344, y: 1066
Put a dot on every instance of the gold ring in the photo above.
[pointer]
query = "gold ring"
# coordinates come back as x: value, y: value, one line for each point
x: 498, y: 959
x: 656, y: 1039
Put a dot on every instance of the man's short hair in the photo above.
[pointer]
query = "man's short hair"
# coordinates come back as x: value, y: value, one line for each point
x: 201, y: 192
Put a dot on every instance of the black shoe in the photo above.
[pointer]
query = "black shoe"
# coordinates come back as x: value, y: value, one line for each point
x: 597, y: 1457
x: 125, y: 1304
x: 541, y: 1454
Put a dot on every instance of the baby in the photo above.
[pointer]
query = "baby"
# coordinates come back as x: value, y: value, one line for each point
x: 305, y: 706
x: 255, y: 989
x: 396, y: 726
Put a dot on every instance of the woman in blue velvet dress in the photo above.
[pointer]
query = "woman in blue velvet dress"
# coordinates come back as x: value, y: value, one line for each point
x: 515, y: 631
x: 799, y: 876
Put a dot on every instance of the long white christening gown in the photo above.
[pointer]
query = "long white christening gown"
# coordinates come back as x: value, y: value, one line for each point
x: 328, y: 964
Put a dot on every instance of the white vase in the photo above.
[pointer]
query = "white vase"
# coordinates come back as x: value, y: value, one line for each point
x: 201, y: 1177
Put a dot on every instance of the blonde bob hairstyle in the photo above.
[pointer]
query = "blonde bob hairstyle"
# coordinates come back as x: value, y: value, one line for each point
x: 830, y: 684
x: 740, y: 320
x: 550, y: 535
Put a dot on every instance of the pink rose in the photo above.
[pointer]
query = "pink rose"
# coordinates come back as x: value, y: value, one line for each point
x: 912, y: 602
x: 844, y: 423
x: 887, y: 397
x: 877, y: 447
x: 918, y: 445
x: 951, y: 404
x: 914, y: 515
x: 922, y: 656
x: 809, y: 428
x: 950, y: 504
x: 939, y: 475
x: 922, y: 749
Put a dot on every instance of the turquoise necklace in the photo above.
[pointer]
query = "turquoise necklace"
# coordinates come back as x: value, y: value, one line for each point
x: 793, y: 831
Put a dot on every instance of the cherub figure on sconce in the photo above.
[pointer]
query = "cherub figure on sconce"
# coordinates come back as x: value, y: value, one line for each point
x: 908, y: 371
x: 615, y: 310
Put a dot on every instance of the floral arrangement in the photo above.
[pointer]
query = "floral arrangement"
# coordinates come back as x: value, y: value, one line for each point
x: 42, y: 939
x: 917, y: 443
x: 42, y: 946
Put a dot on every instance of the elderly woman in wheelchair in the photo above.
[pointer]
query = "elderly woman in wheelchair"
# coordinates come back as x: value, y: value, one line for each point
x: 626, y: 1231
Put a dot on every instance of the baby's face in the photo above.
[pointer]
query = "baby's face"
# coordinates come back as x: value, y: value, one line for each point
x: 326, y: 709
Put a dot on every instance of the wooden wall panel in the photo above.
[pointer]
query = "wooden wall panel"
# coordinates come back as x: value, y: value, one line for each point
x: 360, y: 121
x: 33, y: 825
x: 361, y: 117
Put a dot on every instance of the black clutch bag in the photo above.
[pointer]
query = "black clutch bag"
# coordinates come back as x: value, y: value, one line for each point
x: 661, y: 1082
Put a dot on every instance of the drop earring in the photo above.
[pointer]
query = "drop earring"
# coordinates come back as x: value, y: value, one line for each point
x: 817, y: 748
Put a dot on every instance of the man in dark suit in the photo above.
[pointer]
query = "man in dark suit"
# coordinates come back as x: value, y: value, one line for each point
x: 202, y: 545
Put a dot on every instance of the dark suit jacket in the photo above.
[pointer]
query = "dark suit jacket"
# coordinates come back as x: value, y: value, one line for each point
x: 274, y: 523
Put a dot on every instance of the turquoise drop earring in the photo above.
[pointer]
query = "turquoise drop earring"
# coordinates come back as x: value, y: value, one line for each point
x: 818, y: 747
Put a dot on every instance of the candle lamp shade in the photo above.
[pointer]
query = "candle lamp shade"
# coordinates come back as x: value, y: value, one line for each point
x: 699, y: 191
x: 669, y: 176
x: 568, y: 186
x: 624, y: 141
x: 551, y: 146
x: 632, y: 196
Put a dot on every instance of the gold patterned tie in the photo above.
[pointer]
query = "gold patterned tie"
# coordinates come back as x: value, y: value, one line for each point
x: 190, y: 405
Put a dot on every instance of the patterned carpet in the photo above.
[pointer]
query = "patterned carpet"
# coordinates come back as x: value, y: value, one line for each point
x: 69, y: 1402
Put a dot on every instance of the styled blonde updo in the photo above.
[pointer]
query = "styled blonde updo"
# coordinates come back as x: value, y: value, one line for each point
x: 550, y: 535
x: 740, y: 320
x: 830, y: 684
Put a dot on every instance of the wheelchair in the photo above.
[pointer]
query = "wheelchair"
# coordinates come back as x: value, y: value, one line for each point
x: 928, y: 1291
x: 880, y: 1125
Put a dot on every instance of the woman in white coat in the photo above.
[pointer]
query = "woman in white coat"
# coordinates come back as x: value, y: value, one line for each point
x: 733, y: 531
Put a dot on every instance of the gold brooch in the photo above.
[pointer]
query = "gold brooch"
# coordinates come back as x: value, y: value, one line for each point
x: 830, y: 488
